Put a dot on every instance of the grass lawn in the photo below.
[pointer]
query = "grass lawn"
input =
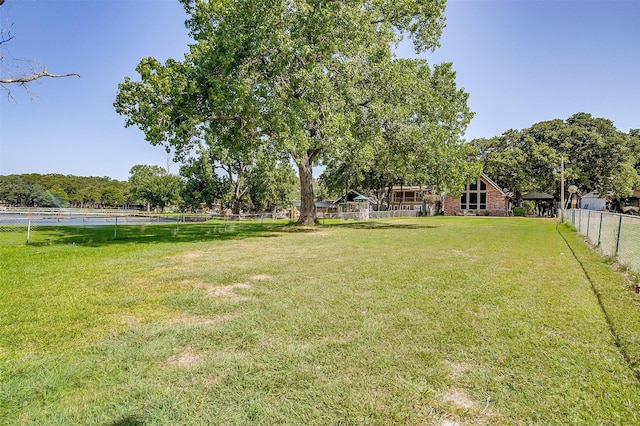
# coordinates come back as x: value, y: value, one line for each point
x: 412, y: 321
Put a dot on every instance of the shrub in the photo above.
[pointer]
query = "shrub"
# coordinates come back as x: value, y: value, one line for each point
x: 487, y: 213
x: 520, y: 211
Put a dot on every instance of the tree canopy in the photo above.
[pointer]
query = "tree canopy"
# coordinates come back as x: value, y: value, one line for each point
x: 300, y: 76
x: 155, y: 186
x: 57, y: 190
x: 597, y: 156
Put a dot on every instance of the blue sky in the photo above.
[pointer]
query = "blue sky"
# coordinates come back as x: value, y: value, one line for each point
x: 522, y: 61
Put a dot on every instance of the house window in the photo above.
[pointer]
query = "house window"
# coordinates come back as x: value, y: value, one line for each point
x: 474, y: 196
x: 473, y: 200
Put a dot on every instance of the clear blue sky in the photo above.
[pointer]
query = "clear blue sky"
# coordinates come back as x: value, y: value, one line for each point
x: 522, y: 61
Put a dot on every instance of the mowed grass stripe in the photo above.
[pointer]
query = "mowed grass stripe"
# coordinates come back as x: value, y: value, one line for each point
x: 412, y: 321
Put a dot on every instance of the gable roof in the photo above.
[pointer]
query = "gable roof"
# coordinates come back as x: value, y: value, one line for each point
x: 492, y: 183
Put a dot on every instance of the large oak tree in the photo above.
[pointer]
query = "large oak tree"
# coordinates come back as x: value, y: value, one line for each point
x: 295, y: 74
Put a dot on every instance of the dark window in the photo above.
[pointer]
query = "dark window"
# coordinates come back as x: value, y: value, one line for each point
x: 474, y: 196
x: 473, y: 200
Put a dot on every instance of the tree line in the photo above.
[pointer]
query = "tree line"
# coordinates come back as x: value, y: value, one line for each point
x: 57, y: 190
x: 596, y: 156
x: 199, y: 185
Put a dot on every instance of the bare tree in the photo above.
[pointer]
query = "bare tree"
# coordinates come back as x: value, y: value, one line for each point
x: 11, y: 72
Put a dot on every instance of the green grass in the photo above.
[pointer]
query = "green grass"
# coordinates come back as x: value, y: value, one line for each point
x: 413, y: 321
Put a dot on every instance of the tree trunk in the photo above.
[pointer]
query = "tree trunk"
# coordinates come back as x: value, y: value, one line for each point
x: 307, y: 202
x: 237, y: 199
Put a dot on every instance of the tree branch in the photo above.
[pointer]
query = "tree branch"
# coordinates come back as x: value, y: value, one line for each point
x: 27, y: 78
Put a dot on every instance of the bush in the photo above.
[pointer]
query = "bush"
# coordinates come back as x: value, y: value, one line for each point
x: 487, y: 213
x: 520, y: 211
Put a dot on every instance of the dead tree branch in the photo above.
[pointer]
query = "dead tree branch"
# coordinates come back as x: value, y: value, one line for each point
x: 27, y: 78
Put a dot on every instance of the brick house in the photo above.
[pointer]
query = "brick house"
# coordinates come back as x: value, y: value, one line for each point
x: 479, y: 197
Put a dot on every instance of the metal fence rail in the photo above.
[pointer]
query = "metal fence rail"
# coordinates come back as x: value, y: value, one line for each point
x: 614, y: 234
x: 26, y: 222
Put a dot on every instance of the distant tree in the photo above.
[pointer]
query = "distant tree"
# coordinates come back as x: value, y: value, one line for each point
x: 57, y: 190
x: 273, y: 182
x: 202, y: 184
x: 11, y: 72
x: 20, y: 191
x: 155, y: 185
x: 634, y: 135
x: 596, y: 155
x: 112, y: 195
x: 54, y: 197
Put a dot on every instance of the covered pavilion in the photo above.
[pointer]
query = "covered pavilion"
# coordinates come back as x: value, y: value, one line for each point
x: 543, y: 202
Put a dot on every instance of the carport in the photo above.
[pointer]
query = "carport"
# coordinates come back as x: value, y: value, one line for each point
x: 543, y: 202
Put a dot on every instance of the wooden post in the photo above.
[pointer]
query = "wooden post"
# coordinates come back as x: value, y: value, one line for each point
x: 29, y: 228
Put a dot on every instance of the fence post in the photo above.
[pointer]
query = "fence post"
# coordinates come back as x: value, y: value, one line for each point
x: 600, y: 228
x: 580, y: 222
x: 588, y: 222
x: 29, y: 228
x: 618, y: 239
x: 115, y: 229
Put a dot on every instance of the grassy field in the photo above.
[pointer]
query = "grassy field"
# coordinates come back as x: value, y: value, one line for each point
x: 417, y: 321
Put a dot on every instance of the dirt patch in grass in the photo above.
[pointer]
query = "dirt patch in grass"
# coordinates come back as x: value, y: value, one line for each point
x: 463, y: 254
x: 188, y: 256
x: 185, y: 358
x: 208, y: 381
x: 195, y: 320
x: 260, y: 277
x: 457, y: 370
x: 459, y: 399
x: 227, y: 292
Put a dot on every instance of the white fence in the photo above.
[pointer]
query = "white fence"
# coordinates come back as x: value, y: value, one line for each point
x: 366, y: 215
x: 614, y: 234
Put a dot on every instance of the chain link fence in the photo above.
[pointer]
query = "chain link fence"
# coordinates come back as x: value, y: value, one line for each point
x: 20, y: 226
x: 614, y: 234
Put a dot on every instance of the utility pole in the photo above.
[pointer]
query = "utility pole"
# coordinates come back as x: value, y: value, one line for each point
x: 561, y: 188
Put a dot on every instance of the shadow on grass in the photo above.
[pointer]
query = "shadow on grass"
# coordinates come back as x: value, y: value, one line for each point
x: 96, y: 236
x: 127, y: 421
x: 153, y: 233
